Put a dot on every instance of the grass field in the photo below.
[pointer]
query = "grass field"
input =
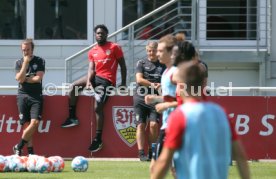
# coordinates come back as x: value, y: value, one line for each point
x: 132, y: 170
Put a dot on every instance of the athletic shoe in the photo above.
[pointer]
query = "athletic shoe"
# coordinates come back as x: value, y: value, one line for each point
x: 96, y: 146
x: 143, y: 158
x: 16, y: 151
x: 70, y: 122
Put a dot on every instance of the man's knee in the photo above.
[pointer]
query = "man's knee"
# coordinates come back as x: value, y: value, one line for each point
x: 32, y: 127
x: 78, y: 85
x: 141, y: 126
x: 34, y: 123
x: 153, y: 125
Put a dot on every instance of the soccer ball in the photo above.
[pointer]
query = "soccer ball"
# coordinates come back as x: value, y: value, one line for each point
x: 4, y: 165
x: 58, y: 163
x: 9, y: 160
x: 25, y: 158
x: 79, y: 164
x: 17, y: 164
x: 31, y: 163
x: 61, y: 163
x: 43, y: 165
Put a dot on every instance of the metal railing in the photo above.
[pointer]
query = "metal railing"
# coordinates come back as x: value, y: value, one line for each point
x: 204, y: 24
x: 76, y: 65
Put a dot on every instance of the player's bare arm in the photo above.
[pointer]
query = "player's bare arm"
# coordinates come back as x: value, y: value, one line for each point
x: 143, y: 82
x: 90, y: 75
x: 162, y: 164
x: 160, y: 107
x: 239, y: 155
x: 150, y: 99
x: 35, y: 78
x: 122, y: 64
x: 21, y: 75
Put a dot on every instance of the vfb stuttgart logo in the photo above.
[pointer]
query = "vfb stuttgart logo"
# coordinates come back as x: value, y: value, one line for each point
x: 124, y: 122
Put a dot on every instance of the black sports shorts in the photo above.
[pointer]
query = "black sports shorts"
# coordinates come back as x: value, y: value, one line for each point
x: 101, y: 86
x: 144, y: 112
x: 29, y: 107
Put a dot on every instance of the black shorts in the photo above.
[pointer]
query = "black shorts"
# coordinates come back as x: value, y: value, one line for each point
x: 159, y: 145
x: 29, y: 107
x: 144, y: 112
x: 100, y: 86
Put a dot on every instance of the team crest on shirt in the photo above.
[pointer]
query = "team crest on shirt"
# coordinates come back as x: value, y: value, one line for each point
x: 34, y: 66
x: 107, y: 52
x: 159, y: 70
x: 124, y: 123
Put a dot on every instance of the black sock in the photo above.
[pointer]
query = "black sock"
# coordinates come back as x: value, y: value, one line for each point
x: 141, y: 152
x: 72, y: 111
x: 150, y: 153
x: 99, y: 135
x: 21, y: 144
x: 30, y: 150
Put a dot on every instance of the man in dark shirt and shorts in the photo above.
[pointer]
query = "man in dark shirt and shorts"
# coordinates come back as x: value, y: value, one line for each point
x: 148, y: 76
x: 29, y: 73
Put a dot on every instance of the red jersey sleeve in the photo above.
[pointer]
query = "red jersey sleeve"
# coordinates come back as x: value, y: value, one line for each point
x: 175, y: 129
x: 179, y: 100
x: 232, y: 127
x: 90, y: 56
x: 118, y: 52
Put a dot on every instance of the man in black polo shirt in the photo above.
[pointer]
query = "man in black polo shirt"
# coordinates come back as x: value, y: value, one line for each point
x: 29, y: 73
x: 148, y: 78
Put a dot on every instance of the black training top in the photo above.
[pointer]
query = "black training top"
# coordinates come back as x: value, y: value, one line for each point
x: 35, y: 65
x: 152, y: 71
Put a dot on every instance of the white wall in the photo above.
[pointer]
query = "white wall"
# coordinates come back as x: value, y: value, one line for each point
x: 233, y: 78
x: 105, y: 12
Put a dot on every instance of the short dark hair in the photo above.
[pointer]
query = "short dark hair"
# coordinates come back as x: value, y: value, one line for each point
x: 194, y: 79
x: 28, y: 41
x: 101, y: 26
x: 186, y: 52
